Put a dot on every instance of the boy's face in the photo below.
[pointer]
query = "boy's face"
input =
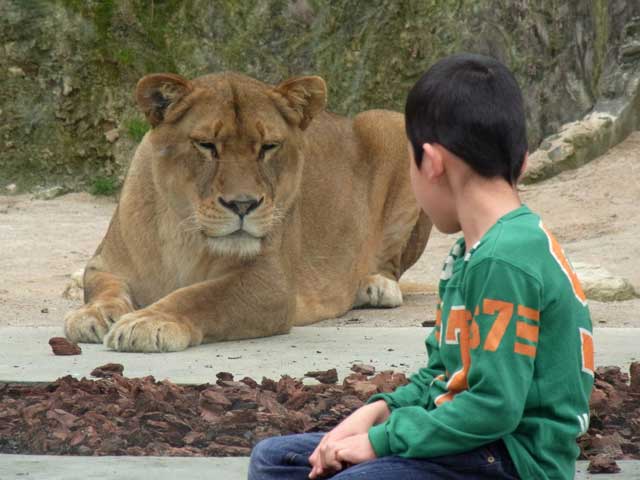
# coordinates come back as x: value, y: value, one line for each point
x: 431, y: 188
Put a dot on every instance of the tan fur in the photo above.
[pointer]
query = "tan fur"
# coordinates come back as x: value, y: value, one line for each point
x: 329, y: 218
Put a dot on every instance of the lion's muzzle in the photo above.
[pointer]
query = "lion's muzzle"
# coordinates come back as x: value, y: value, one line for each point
x: 241, y: 206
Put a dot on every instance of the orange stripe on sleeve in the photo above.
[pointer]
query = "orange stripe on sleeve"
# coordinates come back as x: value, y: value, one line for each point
x: 526, y: 331
x: 523, y: 349
x: 558, y: 254
x: 530, y: 313
x: 445, y: 397
x: 588, y: 363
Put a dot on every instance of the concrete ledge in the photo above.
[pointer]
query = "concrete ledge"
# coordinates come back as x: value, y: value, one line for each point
x: 25, y: 355
x: 42, y: 467
x: 51, y: 467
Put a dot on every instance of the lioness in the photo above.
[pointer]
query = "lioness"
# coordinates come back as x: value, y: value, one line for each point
x: 248, y: 209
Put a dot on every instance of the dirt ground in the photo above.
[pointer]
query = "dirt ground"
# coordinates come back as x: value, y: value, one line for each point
x: 594, y: 211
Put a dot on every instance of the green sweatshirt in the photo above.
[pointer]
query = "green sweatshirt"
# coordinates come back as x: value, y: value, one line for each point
x: 510, y: 357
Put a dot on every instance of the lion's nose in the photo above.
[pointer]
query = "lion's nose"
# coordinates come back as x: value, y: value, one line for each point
x: 241, y: 206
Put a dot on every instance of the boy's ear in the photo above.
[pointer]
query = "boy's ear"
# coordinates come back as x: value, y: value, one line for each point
x: 432, y: 161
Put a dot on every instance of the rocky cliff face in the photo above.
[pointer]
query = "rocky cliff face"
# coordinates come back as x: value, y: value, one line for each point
x: 68, y: 67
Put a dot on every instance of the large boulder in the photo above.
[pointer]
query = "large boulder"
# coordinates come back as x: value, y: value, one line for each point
x: 599, y: 284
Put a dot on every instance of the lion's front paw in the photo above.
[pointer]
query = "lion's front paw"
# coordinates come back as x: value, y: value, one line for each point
x: 91, y: 322
x: 150, y: 330
x: 378, y: 291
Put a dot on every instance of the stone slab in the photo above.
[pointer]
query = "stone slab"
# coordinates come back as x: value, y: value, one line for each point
x: 50, y: 467
x: 47, y: 467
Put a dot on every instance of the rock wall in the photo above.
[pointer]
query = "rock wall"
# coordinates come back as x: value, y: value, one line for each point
x: 68, y: 67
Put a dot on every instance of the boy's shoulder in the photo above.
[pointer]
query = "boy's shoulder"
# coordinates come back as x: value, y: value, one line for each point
x: 518, y: 239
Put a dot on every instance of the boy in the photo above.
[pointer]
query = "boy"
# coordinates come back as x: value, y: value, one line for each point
x: 506, y: 390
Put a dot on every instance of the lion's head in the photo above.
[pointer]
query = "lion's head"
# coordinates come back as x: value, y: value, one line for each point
x: 226, y: 151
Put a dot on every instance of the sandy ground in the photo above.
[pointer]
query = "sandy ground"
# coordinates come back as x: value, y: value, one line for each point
x: 594, y: 212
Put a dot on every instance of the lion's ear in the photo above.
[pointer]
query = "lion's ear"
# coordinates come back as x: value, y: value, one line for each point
x: 160, y: 96
x: 306, y: 96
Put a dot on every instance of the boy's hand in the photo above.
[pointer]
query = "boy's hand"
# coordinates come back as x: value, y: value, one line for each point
x: 355, y: 449
x: 323, y: 459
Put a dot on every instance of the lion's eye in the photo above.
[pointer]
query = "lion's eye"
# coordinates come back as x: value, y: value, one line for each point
x: 269, y: 146
x: 211, y: 147
x: 266, y: 148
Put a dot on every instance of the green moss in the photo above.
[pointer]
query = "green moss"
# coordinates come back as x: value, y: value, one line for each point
x: 104, y: 186
x: 136, y: 128
x: 125, y: 56
x: 104, y: 10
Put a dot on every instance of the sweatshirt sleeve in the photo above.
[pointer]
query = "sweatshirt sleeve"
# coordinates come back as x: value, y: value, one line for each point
x: 486, y: 397
x: 417, y: 391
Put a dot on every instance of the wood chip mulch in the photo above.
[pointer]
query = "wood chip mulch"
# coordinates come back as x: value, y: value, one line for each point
x: 614, y: 429
x: 116, y: 415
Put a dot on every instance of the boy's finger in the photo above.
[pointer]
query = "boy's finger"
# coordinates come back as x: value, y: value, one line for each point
x: 344, y: 456
x: 316, y: 471
x: 328, y: 458
x: 313, y: 474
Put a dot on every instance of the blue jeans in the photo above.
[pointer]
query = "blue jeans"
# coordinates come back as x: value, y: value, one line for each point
x: 287, y: 458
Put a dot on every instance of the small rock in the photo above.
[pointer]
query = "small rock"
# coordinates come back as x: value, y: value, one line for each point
x: 598, y: 400
x: 324, y: 376
x: 112, y: 135
x: 364, y: 390
x: 603, y: 464
x: 224, y: 376
x: 108, y: 370
x: 44, y: 310
x: 214, y: 399
x: 363, y: 369
x: 50, y: 193
x: 352, y: 379
x: 598, y: 284
x: 17, y: 72
x: 269, y: 384
x: 62, y: 346
x: 388, y: 380
x: 249, y: 382
x: 635, y: 377
x: 609, y: 445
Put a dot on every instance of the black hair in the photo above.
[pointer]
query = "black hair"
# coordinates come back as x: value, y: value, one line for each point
x: 472, y: 106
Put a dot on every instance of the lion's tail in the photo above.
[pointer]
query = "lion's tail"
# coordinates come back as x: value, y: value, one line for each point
x: 416, y: 243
